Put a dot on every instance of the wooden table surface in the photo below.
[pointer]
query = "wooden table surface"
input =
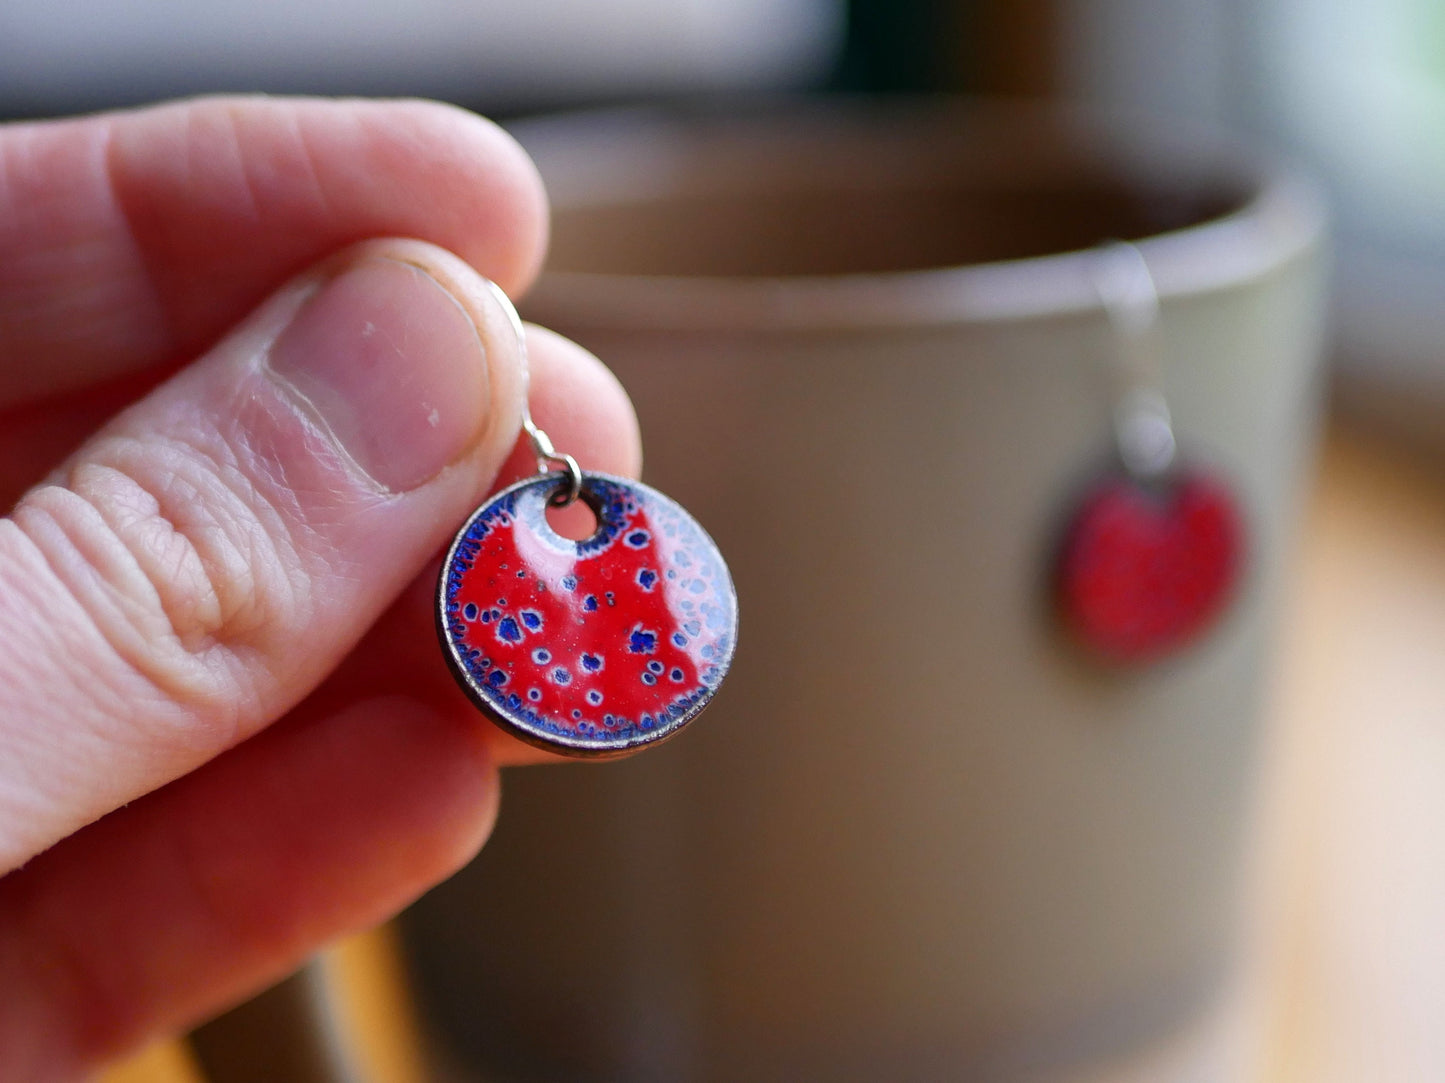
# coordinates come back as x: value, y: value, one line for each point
x: 1345, y: 981
x: 1353, y: 870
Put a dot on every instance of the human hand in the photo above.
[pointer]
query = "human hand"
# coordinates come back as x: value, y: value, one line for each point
x: 226, y: 732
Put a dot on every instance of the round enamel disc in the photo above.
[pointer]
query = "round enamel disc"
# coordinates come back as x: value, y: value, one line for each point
x: 587, y: 647
x: 1145, y: 569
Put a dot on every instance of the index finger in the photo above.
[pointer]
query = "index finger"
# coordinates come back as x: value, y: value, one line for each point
x: 133, y: 239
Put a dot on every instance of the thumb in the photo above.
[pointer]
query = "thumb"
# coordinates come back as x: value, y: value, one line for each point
x: 202, y: 562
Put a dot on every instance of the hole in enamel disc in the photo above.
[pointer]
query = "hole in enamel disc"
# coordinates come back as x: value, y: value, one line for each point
x: 577, y: 521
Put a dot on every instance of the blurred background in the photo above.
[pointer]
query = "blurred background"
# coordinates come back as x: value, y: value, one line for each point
x: 1357, y: 91
x: 1348, y: 985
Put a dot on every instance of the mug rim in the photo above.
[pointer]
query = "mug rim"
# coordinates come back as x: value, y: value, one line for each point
x: 1280, y: 218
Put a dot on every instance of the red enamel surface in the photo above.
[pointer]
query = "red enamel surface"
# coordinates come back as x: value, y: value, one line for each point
x: 612, y: 640
x: 1144, y: 571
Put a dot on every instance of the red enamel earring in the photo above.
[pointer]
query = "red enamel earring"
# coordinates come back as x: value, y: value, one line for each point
x: 593, y: 647
x: 1153, y: 551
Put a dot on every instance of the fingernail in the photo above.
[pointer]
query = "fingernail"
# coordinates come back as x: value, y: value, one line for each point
x: 394, y: 366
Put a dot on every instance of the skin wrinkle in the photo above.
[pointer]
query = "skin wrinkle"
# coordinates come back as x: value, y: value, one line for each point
x: 235, y: 164
x: 70, y: 532
x: 62, y: 271
x: 285, y: 503
x: 334, y: 448
x: 314, y: 183
x: 258, y: 479
x: 161, y: 550
x: 307, y: 514
x: 133, y: 632
x: 68, y: 264
x: 39, y: 581
x: 140, y: 279
x: 205, y: 496
x: 237, y: 548
x: 18, y: 579
x: 273, y: 519
x: 262, y: 487
x: 158, y: 315
x: 289, y: 167
x: 165, y: 511
x: 112, y: 692
x: 18, y: 217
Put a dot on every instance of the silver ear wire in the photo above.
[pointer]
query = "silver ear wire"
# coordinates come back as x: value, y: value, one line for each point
x: 1143, y: 429
x: 548, y: 457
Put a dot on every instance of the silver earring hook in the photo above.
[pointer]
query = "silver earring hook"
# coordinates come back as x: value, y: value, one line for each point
x: 1143, y: 429
x: 547, y: 454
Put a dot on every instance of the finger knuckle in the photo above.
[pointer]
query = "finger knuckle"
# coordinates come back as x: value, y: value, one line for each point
x: 174, y: 557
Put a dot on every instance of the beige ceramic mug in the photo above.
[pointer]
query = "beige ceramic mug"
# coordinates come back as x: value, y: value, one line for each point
x: 918, y: 836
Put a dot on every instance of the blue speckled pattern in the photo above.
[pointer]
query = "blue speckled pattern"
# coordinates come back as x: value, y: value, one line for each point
x: 587, y: 647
